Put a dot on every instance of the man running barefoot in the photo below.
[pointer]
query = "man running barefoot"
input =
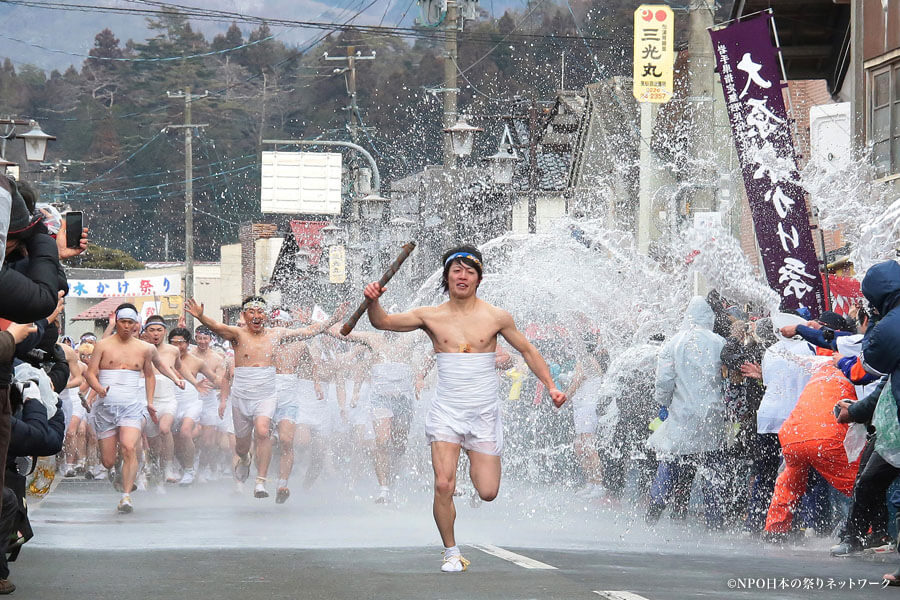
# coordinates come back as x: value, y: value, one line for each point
x: 114, y: 374
x: 253, y: 393
x: 466, y: 408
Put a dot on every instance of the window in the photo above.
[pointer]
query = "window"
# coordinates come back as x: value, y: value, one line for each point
x: 884, y: 118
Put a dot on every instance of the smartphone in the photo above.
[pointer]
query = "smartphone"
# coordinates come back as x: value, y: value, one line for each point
x: 74, y: 228
x: 837, y: 407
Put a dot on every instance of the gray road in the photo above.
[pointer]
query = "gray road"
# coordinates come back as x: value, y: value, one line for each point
x: 330, y: 542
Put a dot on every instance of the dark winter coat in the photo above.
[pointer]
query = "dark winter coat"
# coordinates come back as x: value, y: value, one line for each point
x: 881, y: 345
x: 33, y: 434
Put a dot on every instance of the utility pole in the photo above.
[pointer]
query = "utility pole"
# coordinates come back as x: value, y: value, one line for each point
x: 701, y: 77
x: 450, y: 90
x: 532, y: 165
x: 353, y: 121
x: 188, y: 189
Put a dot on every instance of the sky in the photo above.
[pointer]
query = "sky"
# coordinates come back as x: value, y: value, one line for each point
x: 49, y: 38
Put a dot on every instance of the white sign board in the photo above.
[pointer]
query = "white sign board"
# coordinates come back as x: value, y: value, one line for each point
x: 829, y: 132
x: 301, y: 183
x: 107, y: 288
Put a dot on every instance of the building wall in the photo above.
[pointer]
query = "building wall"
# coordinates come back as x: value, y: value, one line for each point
x: 230, y: 261
x: 882, y: 27
x: 549, y: 209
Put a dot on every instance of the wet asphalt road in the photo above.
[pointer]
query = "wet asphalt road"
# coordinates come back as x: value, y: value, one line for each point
x: 330, y: 542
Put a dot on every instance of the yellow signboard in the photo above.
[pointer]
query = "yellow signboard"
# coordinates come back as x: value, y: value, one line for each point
x: 337, y: 264
x: 654, y: 53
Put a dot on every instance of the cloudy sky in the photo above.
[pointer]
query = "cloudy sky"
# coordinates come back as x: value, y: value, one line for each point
x: 49, y: 38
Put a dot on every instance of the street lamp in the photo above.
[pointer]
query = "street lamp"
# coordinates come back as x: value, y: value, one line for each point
x: 503, y: 163
x: 332, y: 235
x: 35, y: 142
x: 462, y: 137
x: 372, y: 207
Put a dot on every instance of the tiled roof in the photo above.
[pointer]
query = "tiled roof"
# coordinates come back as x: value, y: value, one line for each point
x: 101, y: 310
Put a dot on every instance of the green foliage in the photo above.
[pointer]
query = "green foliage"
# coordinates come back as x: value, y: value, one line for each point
x: 98, y: 257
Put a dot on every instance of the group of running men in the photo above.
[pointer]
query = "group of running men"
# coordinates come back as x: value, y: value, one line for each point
x: 149, y: 397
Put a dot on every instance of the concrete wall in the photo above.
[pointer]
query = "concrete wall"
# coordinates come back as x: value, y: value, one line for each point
x: 549, y: 209
x: 230, y: 262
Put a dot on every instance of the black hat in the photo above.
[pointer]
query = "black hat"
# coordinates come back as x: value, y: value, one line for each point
x: 834, y: 321
x: 21, y: 220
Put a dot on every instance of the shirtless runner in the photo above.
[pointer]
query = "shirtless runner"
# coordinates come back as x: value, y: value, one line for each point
x: 466, y: 408
x: 253, y: 393
x: 209, y: 396
x: 114, y: 374
x: 159, y: 435
x: 190, y: 406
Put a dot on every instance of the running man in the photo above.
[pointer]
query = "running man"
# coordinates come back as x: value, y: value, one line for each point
x: 466, y: 409
x: 190, y: 406
x: 253, y: 393
x: 118, y: 410
x: 159, y: 435
x: 209, y: 396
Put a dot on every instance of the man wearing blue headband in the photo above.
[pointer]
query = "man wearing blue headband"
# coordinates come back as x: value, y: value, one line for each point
x: 465, y: 413
x: 115, y: 374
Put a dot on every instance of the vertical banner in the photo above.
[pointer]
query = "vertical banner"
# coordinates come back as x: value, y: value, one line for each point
x: 749, y: 69
x: 337, y: 264
x: 654, y: 53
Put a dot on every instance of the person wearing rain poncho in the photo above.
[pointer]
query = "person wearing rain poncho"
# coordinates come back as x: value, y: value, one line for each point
x: 689, y: 386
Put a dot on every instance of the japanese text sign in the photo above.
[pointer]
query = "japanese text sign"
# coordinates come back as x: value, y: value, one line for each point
x: 337, y: 264
x: 654, y: 53
x: 106, y: 288
x: 749, y: 70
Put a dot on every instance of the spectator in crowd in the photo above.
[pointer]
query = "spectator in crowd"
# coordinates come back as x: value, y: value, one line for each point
x: 689, y: 387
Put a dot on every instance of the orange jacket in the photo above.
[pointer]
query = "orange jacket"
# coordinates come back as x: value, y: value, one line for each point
x: 813, y: 416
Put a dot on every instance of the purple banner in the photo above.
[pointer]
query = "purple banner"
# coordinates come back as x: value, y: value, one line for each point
x: 749, y: 69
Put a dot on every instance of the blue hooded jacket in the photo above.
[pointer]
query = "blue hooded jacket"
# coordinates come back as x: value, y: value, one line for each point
x: 881, y: 345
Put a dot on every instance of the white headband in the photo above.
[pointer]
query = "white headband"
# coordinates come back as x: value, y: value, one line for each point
x: 127, y: 313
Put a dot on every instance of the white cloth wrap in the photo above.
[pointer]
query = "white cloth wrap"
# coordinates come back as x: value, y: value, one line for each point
x: 124, y: 404
x: 210, y: 401
x: 466, y: 406
x: 164, y: 400
x: 392, y: 379
x: 252, y: 395
x: 311, y: 411
x: 189, y: 404
x: 584, y: 406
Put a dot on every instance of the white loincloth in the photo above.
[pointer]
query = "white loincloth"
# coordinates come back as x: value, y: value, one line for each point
x: 288, y: 393
x: 584, y: 406
x: 123, y: 405
x: 164, y: 400
x: 466, y: 406
x: 252, y: 395
x: 210, y: 400
x: 311, y: 411
x: 189, y: 404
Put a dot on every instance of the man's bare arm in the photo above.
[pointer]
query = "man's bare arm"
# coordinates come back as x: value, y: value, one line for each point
x: 76, y: 376
x: 165, y: 369
x: 304, y: 333
x: 378, y: 317
x: 532, y: 357
x: 221, y: 329
x: 93, y: 371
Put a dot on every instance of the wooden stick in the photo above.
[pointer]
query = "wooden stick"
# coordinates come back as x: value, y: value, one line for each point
x: 392, y: 270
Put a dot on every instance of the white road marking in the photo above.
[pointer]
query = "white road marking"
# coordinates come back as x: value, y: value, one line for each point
x: 517, y: 559
x: 611, y: 595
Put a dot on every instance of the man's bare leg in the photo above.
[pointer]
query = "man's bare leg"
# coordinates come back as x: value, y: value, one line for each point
x: 186, y: 450
x: 167, y: 446
x: 261, y: 426
x: 444, y: 457
x: 286, y: 443
x: 484, y: 470
x: 129, y: 438
x: 588, y: 459
x: 383, y: 456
